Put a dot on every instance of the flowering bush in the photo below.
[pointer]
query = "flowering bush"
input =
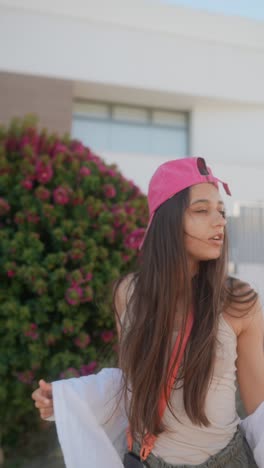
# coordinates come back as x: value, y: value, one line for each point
x: 69, y: 225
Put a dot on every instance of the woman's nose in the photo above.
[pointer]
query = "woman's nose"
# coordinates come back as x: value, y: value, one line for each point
x: 220, y: 220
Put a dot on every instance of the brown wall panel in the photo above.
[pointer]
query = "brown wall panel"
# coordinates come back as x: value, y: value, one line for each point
x: 51, y: 99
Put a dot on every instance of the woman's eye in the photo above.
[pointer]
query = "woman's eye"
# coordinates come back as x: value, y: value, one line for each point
x: 222, y: 212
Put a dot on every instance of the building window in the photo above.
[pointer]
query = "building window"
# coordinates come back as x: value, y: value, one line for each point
x: 129, y: 129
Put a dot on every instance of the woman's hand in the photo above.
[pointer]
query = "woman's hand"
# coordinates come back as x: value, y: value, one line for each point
x: 43, y: 399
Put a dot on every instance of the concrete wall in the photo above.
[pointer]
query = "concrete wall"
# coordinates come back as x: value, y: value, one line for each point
x: 254, y: 274
x: 229, y: 133
x: 231, y: 138
x: 136, y: 44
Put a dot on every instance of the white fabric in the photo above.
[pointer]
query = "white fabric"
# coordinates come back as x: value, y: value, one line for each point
x: 253, y: 428
x: 82, y: 407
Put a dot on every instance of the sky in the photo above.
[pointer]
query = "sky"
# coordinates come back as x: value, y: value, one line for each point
x: 253, y: 9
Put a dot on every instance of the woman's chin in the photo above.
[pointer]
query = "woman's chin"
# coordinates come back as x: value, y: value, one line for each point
x: 207, y: 257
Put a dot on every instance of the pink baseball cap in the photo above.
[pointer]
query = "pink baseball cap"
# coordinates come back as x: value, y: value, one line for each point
x: 176, y: 175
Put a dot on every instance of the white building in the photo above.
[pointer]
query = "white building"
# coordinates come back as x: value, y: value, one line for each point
x: 141, y: 82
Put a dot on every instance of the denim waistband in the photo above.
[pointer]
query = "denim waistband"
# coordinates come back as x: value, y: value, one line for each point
x: 236, y: 454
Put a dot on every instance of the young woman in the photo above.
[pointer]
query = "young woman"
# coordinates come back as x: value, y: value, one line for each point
x: 181, y: 293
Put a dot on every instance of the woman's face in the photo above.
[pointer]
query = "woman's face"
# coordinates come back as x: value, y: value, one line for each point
x: 204, y: 224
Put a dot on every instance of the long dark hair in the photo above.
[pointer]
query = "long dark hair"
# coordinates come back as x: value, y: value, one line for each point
x: 151, y: 315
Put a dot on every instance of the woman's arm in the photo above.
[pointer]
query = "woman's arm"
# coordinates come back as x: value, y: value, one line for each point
x: 250, y: 361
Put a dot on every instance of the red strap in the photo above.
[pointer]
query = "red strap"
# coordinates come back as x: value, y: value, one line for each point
x: 150, y: 439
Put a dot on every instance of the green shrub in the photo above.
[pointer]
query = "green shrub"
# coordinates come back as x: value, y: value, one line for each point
x: 69, y: 226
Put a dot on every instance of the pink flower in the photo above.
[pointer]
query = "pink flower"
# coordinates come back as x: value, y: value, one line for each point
x: 87, y: 369
x: 77, y: 147
x: 130, y: 210
x: 31, y: 332
x: 32, y: 218
x: 77, y: 201
x: 102, y: 167
x: 109, y: 191
x: 85, y: 171
x: 107, y: 336
x: 125, y: 229
x: 111, y: 172
x: 83, y: 340
x: 58, y: 149
x: 76, y: 254
x: 74, y: 295
x: 25, y: 141
x: 133, y: 240
x: 11, y: 273
x: 126, y: 258
x: 68, y: 330
x: 94, y: 158
x: 27, y: 184
x: 29, y: 140
x: 4, y: 207
x: 88, y: 276
x: 44, y: 172
x: 61, y: 196
x: 25, y: 377
x: 131, y: 183
x: 70, y: 372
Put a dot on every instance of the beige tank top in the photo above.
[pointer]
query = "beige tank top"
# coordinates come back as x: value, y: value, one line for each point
x: 186, y: 443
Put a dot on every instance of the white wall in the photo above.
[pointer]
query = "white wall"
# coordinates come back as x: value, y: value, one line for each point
x: 246, y: 183
x: 135, y: 44
x: 229, y: 133
x: 231, y: 138
x: 254, y: 275
x: 151, y: 16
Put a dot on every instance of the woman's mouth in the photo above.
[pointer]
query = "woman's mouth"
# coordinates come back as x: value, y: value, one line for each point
x: 217, y: 239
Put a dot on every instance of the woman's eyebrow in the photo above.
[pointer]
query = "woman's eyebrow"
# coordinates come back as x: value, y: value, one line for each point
x: 205, y: 200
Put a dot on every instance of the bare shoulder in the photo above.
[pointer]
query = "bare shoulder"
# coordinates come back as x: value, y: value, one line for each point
x: 244, y: 307
x: 122, y: 293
